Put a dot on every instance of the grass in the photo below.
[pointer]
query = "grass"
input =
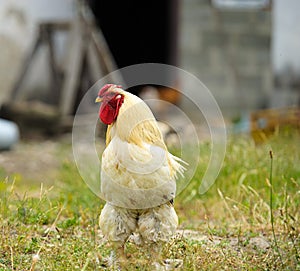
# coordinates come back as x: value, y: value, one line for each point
x: 248, y: 220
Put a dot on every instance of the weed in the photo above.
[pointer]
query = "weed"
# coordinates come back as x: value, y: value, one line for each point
x: 271, y: 209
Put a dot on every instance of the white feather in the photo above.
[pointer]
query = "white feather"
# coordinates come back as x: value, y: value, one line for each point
x: 136, y: 177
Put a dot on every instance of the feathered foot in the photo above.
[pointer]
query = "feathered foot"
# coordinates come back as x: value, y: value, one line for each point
x: 117, y: 259
x: 168, y: 265
x: 153, y: 252
x: 172, y: 264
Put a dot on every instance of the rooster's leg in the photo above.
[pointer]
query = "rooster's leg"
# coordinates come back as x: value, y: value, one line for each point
x: 117, y: 224
x: 155, y: 253
x: 156, y: 226
x: 118, y: 257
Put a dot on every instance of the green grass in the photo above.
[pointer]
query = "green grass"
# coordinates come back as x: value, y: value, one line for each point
x: 60, y: 222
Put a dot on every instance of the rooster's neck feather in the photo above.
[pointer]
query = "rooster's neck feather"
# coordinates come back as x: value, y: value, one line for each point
x: 135, y: 123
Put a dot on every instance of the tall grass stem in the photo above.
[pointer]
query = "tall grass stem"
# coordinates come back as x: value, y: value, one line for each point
x: 271, y: 208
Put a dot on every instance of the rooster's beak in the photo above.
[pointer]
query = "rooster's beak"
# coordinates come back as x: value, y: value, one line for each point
x: 98, y: 100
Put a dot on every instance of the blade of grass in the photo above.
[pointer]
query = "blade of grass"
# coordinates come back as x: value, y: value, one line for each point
x: 36, y: 257
x: 271, y: 208
x: 226, y: 204
x: 289, y: 227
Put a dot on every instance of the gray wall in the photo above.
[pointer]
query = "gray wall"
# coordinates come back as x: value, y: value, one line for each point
x: 230, y: 52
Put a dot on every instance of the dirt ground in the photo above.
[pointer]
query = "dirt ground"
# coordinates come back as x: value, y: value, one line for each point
x: 34, y: 160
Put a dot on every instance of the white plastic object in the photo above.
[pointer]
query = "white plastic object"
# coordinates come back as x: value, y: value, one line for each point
x: 9, y: 134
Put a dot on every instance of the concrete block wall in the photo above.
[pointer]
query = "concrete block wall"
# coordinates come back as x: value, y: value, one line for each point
x: 230, y: 52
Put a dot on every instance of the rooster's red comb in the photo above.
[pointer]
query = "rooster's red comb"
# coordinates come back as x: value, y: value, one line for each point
x: 106, y: 87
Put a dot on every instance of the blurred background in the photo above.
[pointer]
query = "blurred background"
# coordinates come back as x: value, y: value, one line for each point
x: 245, y: 51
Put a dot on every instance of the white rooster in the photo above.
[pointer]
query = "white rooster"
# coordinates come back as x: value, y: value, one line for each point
x: 138, y: 174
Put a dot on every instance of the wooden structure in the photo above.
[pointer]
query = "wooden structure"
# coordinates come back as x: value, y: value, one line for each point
x: 265, y: 123
x: 88, y: 60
